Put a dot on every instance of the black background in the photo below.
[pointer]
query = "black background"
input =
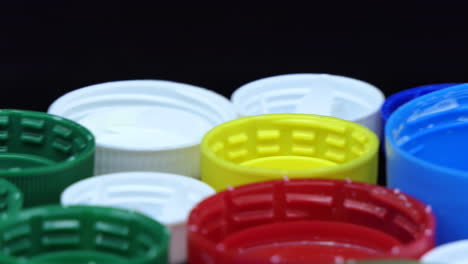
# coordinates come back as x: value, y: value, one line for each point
x: 49, y: 48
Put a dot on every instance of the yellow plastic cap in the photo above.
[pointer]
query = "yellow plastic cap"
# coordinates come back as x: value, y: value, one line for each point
x: 274, y: 146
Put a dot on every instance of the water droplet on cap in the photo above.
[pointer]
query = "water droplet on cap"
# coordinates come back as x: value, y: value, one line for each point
x: 395, y: 250
x: 428, y: 232
x: 275, y: 259
x: 428, y: 209
x: 339, y: 260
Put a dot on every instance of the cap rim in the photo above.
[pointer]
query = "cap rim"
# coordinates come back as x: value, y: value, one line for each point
x: 390, y: 102
x: 220, y: 104
x: 71, y: 211
x: 68, y: 195
x: 268, y: 173
x: 64, y: 165
x: 13, y: 200
x: 404, y: 111
x: 224, y: 202
x: 242, y: 90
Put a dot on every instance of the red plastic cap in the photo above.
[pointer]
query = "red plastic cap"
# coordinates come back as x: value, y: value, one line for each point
x: 308, y: 221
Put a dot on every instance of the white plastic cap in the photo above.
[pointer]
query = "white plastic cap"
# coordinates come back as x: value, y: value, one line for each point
x: 167, y: 198
x: 146, y: 125
x: 451, y: 253
x: 320, y: 94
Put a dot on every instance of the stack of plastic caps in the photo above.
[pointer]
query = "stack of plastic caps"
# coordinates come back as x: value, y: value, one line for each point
x: 42, y: 154
x: 425, y: 139
x: 146, y: 125
x: 320, y: 94
x: 295, y: 174
x: 308, y: 221
x: 152, y: 126
x: 167, y: 198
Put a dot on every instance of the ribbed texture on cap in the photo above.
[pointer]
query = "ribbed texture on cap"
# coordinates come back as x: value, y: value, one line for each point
x: 11, y: 198
x: 42, y: 154
x: 82, y: 234
x: 184, y: 161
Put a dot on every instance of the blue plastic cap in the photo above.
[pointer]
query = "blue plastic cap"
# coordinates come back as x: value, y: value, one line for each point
x: 427, y: 143
x: 396, y: 100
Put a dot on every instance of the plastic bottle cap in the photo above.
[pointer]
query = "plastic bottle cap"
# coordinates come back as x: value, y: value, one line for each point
x: 451, y: 253
x: 42, y: 154
x: 11, y: 198
x: 396, y: 100
x: 320, y: 98
x: 155, y: 127
x: 270, y: 147
x: 308, y: 221
x: 81, y: 234
x: 149, y: 125
x: 167, y: 198
x: 425, y: 143
x: 320, y: 94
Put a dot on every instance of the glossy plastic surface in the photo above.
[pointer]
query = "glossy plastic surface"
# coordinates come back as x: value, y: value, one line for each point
x: 270, y: 147
x: 11, y: 199
x: 146, y: 125
x: 450, y: 253
x: 425, y: 143
x: 308, y: 221
x: 396, y: 100
x: 72, y: 235
x: 42, y: 154
x: 309, y: 93
x: 167, y: 198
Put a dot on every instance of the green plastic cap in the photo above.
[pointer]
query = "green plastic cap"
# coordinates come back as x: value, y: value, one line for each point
x: 42, y: 154
x: 82, y: 234
x: 11, y: 199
